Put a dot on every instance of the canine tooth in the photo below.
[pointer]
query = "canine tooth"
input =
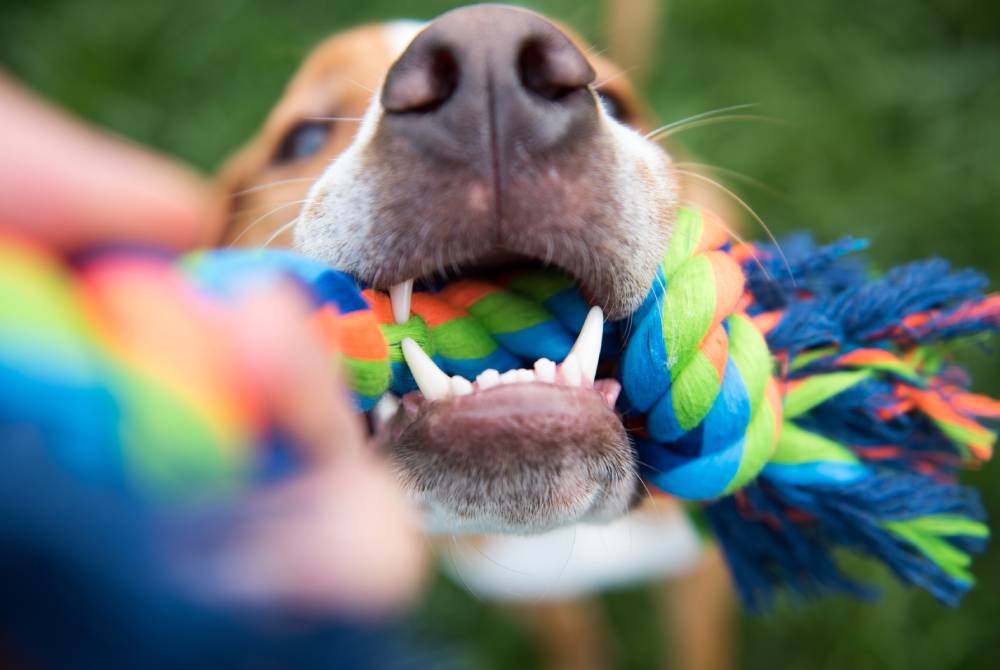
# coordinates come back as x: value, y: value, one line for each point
x: 433, y: 383
x: 399, y: 296
x: 545, y: 371
x: 587, y: 347
x: 509, y: 377
x: 488, y: 379
x: 460, y: 386
x: 570, y: 371
x: 525, y: 376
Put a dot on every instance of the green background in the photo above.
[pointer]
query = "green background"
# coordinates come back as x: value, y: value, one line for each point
x: 892, y: 134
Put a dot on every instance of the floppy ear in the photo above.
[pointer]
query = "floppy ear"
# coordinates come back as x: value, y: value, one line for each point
x: 632, y: 33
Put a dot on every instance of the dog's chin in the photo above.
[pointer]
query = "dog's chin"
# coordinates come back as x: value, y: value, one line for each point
x: 515, y: 458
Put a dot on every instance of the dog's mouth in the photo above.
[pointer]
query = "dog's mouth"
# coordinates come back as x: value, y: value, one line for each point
x: 518, y: 449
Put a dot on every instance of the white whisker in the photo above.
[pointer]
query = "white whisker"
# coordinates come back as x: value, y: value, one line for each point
x: 277, y: 233
x: 264, y: 216
x: 334, y: 118
x: 734, y: 174
x: 695, y: 117
x: 728, y: 118
x: 738, y: 238
x: 280, y: 182
x: 750, y: 210
x: 358, y: 84
x: 617, y: 75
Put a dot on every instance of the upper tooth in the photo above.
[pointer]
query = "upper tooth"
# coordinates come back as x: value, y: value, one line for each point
x: 545, y: 370
x: 460, y: 386
x: 433, y: 383
x: 488, y: 379
x: 570, y: 371
x: 400, y: 295
x: 587, y: 347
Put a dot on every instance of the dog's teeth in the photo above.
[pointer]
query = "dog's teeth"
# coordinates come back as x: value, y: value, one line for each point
x: 569, y: 371
x: 525, y: 376
x: 587, y: 347
x: 400, y: 295
x: 488, y: 379
x: 460, y: 386
x: 433, y: 383
x: 545, y: 371
x: 509, y: 377
x: 385, y: 409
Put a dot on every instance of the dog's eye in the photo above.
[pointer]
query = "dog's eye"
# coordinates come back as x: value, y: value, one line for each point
x: 305, y: 139
x: 614, y: 106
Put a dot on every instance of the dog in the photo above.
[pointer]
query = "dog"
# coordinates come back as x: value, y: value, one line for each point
x: 490, y: 137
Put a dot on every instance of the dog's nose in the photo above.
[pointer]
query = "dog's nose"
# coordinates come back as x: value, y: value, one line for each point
x: 489, y: 77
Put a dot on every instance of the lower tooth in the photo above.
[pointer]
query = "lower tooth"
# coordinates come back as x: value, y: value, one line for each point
x: 488, y: 379
x: 545, y: 370
x: 460, y: 386
x: 509, y: 377
x: 525, y: 376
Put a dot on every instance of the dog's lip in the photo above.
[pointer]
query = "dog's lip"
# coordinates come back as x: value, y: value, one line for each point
x: 501, y: 435
x: 500, y: 400
x: 485, y: 409
x: 491, y: 260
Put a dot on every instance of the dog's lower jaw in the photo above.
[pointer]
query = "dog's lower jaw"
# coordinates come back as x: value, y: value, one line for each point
x: 523, y: 458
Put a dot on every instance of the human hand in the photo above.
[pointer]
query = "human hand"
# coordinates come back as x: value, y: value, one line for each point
x: 337, y: 536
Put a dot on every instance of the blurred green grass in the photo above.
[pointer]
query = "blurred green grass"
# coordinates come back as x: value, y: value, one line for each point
x: 892, y: 133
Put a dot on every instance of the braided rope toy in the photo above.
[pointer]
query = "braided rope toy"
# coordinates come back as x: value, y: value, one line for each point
x: 802, y: 404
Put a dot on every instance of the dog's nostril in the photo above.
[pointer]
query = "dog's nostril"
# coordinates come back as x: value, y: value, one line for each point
x: 552, y: 69
x: 421, y: 81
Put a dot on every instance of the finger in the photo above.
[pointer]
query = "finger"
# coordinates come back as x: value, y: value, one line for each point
x: 337, y: 539
x: 339, y: 536
x: 73, y: 187
x: 299, y: 381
